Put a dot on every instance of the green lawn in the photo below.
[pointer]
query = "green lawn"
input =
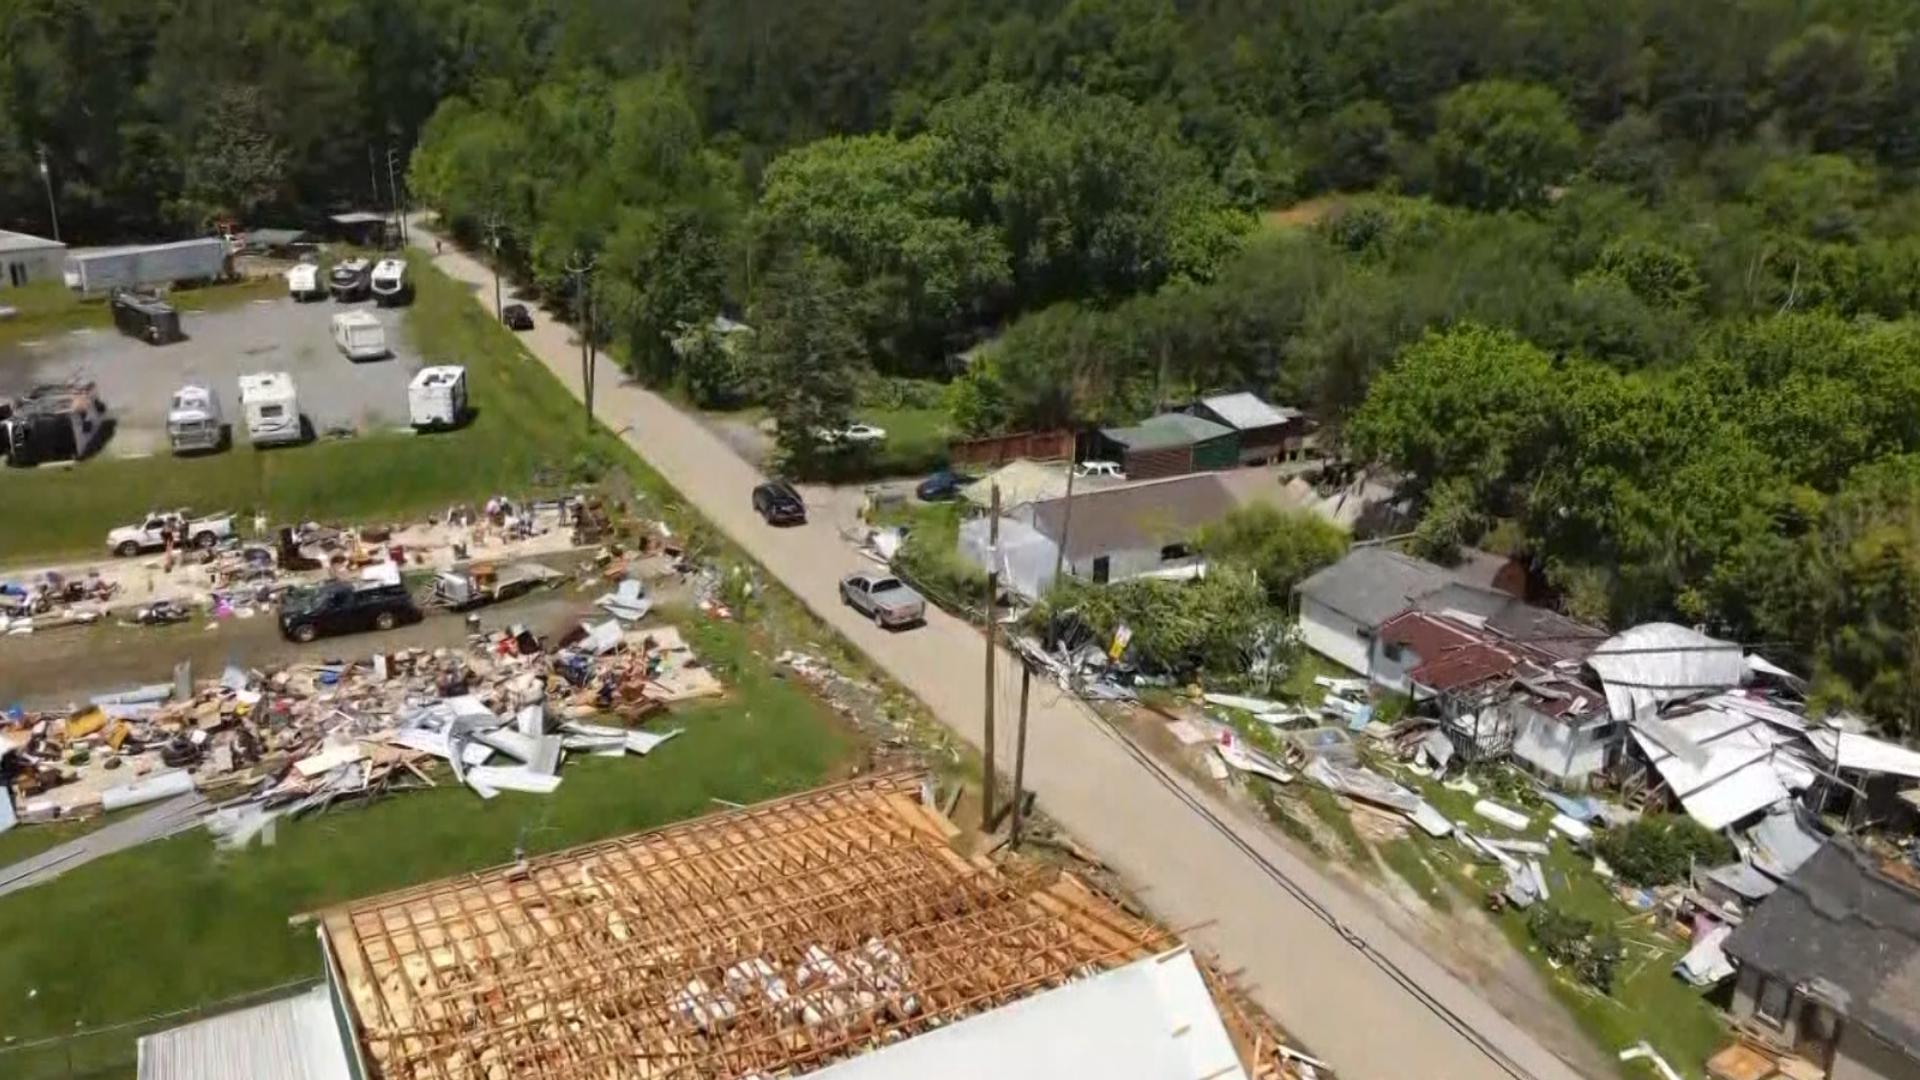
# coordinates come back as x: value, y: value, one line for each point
x: 175, y: 923
x: 49, y: 308
x: 527, y: 434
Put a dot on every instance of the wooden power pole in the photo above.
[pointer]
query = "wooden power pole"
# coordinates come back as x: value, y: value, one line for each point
x: 993, y: 592
x: 1020, y: 753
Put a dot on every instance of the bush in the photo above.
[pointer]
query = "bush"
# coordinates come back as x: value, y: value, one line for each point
x: 1658, y: 850
x: 1569, y: 940
x: 1216, y: 624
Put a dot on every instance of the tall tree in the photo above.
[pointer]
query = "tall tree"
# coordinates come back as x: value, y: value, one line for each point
x: 806, y: 352
x: 1502, y: 144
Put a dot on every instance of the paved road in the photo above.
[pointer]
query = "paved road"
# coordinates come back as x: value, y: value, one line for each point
x: 1317, y: 957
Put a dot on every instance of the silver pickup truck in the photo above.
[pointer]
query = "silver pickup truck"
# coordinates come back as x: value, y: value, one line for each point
x: 884, y: 599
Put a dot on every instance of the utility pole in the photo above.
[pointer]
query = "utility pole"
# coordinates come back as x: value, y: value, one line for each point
x: 393, y: 191
x: 993, y: 592
x: 580, y: 267
x: 373, y: 176
x: 493, y: 245
x: 46, y: 178
x: 1066, y: 522
x: 1020, y: 754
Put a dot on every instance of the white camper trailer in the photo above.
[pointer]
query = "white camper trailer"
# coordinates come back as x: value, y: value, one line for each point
x: 437, y: 397
x: 306, y: 282
x: 194, y: 420
x: 272, y: 408
x: 391, y: 286
x: 360, y: 335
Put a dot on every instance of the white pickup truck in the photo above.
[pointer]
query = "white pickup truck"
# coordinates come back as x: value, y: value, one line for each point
x: 129, y: 540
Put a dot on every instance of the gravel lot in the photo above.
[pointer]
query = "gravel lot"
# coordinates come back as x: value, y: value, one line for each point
x: 266, y: 335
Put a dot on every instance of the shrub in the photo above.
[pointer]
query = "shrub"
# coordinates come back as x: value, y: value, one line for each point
x: 1570, y: 940
x: 1658, y: 850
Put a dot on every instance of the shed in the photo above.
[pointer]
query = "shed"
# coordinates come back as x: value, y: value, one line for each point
x: 1267, y: 432
x: 1831, y: 964
x: 1135, y: 529
x: 1171, y: 444
x: 25, y: 259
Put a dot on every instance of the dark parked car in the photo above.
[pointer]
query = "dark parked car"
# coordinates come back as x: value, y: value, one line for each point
x: 779, y: 504
x: 517, y: 317
x: 341, y: 607
x: 942, y: 486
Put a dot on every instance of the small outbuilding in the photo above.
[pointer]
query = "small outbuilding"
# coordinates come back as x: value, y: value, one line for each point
x: 25, y: 259
x: 1266, y: 432
x: 1171, y: 444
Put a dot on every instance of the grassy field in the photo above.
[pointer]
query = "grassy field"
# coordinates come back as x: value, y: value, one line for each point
x: 49, y: 308
x: 527, y: 434
x: 87, y: 950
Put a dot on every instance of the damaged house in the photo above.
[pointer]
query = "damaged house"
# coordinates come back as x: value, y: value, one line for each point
x: 1343, y: 606
x: 1829, y: 966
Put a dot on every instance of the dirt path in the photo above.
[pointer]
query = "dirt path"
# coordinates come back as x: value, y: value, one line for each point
x: 1321, y: 959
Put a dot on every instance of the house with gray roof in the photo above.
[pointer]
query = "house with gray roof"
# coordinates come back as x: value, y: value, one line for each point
x: 1830, y: 963
x: 1343, y: 606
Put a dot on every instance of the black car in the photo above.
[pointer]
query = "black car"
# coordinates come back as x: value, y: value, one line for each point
x: 517, y: 317
x: 779, y: 504
x: 341, y: 607
x: 942, y: 486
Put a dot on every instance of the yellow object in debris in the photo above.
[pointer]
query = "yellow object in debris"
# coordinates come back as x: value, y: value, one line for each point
x: 84, y: 723
x: 119, y: 734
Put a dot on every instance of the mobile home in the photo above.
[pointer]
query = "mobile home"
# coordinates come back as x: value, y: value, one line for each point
x: 391, y: 285
x: 437, y: 397
x: 359, y: 335
x: 194, y: 419
x: 140, y: 266
x: 272, y: 408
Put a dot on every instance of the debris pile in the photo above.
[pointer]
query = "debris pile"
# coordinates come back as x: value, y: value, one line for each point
x: 51, y: 598
x: 296, y: 739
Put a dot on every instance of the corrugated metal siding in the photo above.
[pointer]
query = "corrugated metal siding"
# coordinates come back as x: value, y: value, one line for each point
x: 291, y: 1039
x: 1153, y: 464
x: 1216, y: 454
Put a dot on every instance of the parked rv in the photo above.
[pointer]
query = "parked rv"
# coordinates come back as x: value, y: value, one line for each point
x: 148, y: 318
x: 391, y: 285
x: 52, y: 423
x: 359, y: 335
x: 271, y: 406
x: 437, y: 397
x: 304, y: 282
x: 98, y: 272
x: 347, y: 281
x: 194, y: 420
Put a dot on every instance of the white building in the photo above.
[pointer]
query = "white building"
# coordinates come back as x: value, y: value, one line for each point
x: 1344, y: 605
x: 25, y: 259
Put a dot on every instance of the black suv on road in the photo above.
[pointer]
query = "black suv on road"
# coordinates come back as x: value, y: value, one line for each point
x: 340, y: 607
x: 779, y: 504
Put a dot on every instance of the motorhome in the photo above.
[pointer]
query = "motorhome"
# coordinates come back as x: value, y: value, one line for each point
x: 146, y: 317
x: 52, y: 423
x: 305, y: 283
x: 359, y: 335
x: 194, y: 420
x: 391, y: 285
x: 437, y: 397
x: 347, y: 281
x: 272, y: 408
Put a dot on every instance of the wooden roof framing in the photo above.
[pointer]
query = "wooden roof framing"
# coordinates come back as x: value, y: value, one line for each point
x: 766, y: 941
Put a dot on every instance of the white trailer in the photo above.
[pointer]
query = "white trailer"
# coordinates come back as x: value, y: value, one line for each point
x: 96, y: 272
x: 272, y: 408
x: 359, y: 335
x: 437, y: 397
x: 391, y: 285
x: 306, y: 282
x: 194, y: 419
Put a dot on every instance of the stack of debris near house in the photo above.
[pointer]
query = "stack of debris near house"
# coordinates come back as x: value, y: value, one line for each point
x: 295, y: 739
x: 50, y: 598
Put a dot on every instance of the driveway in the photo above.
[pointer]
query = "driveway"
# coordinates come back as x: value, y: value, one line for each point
x: 1316, y: 956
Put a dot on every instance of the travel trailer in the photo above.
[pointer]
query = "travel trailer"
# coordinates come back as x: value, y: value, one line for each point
x: 347, y: 281
x: 359, y: 335
x: 437, y: 397
x: 194, y: 420
x: 272, y: 408
x: 391, y: 285
x: 148, y: 318
x: 305, y: 283
x: 52, y: 423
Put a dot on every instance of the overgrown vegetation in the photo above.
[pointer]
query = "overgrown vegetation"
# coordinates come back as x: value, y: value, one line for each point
x: 1576, y: 943
x: 1219, y: 623
x: 1662, y: 848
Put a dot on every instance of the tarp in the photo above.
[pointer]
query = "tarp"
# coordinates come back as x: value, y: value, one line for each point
x: 1026, y: 556
x: 1653, y: 663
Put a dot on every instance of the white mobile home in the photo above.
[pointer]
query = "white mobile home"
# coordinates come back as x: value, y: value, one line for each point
x: 359, y: 335
x: 271, y: 405
x: 26, y: 259
x: 437, y: 397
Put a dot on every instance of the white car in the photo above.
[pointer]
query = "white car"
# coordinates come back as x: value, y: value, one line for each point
x: 852, y: 433
x: 1106, y: 470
